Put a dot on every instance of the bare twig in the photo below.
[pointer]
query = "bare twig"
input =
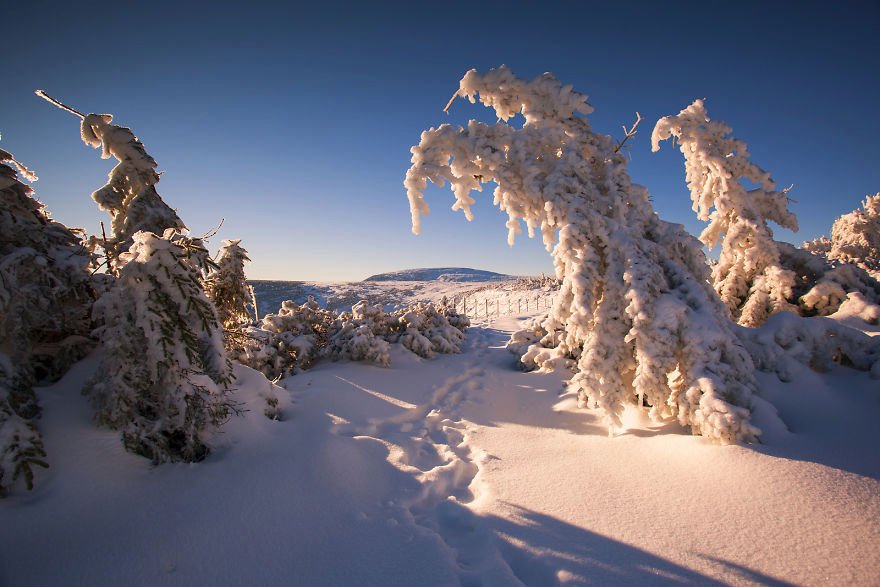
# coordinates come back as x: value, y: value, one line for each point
x: 451, y: 100
x: 211, y: 232
x: 631, y: 132
x: 254, y: 303
x: 58, y: 103
x: 107, y: 255
x: 98, y: 268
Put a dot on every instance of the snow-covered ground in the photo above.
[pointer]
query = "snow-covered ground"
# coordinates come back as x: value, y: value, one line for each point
x: 439, y: 274
x: 457, y: 470
x: 498, y: 297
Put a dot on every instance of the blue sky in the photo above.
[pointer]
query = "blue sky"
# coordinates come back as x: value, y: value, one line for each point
x: 293, y: 121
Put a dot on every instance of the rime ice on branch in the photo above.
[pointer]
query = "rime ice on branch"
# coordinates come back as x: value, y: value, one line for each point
x: 749, y: 276
x: 635, y: 310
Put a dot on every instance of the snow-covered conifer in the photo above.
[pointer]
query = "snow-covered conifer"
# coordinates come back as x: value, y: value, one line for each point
x: 130, y: 195
x: 227, y: 286
x: 45, y: 302
x: 21, y: 445
x: 748, y: 275
x: 635, y: 308
x: 164, y: 374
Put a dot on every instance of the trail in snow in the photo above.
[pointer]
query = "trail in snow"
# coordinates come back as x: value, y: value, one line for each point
x: 432, y: 442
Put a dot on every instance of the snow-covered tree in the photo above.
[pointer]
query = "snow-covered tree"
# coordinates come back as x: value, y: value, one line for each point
x: 130, y: 195
x: 227, y: 286
x: 749, y: 277
x: 164, y: 374
x: 44, y: 315
x: 635, y: 310
x: 855, y: 238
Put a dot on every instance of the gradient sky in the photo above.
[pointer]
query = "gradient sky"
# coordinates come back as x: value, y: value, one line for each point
x: 293, y: 121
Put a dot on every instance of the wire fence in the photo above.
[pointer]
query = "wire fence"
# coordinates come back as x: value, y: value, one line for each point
x: 476, y: 307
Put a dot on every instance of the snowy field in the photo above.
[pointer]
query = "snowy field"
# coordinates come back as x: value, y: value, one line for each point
x: 456, y: 470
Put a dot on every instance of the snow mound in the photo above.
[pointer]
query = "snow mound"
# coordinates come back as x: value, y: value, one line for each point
x: 440, y: 274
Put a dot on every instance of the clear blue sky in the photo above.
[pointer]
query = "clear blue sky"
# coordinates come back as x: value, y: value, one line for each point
x: 294, y: 121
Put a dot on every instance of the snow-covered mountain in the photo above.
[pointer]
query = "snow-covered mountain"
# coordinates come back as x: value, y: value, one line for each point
x: 440, y: 274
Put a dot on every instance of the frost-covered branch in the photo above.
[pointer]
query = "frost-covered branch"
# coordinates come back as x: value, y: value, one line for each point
x: 628, y: 133
x: 748, y: 276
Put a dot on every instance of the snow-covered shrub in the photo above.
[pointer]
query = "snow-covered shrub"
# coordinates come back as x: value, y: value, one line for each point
x: 455, y: 319
x: 45, y: 301
x: 261, y: 351
x: 130, y: 195
x: 848, y: 262
x: 748, y: 275
x: 787, y: 342
x: 360, y: 335
x: 164, y: 374
x: 823, y: 284
x: 635, y: 309
x: 855, y: 237
x: 227, y: 286
x: 857, y: 306
x: 303, y: 329
x: 426, y: 331
x: 300, y: 334
x: 357, y: 342
x: 284, y: 342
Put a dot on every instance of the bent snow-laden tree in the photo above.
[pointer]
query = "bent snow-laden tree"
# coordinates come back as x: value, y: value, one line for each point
x: 45, y: 303
x: 163, y: 378
x: 130, y: 195
x: 635, y: 310
x: 749, y: 275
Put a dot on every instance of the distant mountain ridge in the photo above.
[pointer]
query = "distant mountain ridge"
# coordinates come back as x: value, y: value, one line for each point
x: 440, y: 274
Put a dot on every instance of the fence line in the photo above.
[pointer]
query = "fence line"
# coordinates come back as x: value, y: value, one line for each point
x: 472, y: 308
